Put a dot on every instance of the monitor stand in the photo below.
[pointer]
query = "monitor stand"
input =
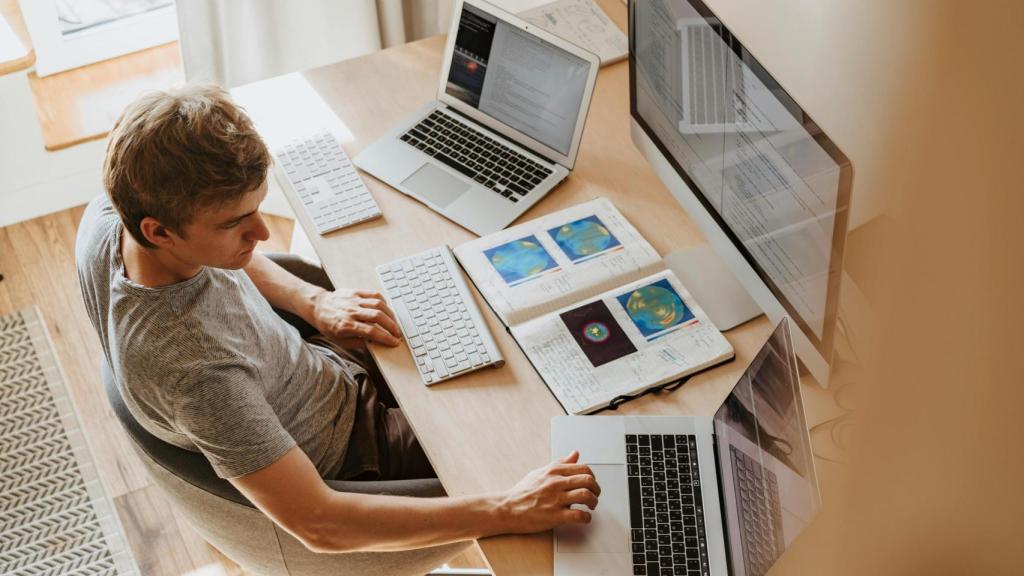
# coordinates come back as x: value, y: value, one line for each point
x: 713, y: 284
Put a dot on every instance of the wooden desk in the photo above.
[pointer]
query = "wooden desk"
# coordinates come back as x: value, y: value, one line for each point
x: 485, y: 430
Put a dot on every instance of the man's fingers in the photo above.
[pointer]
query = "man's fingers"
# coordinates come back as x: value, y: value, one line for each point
x: 574, y: 516
x: 378, y: 317
x: 583, y: 481
x: 376, y: 304
x: 375, y: 333
x: 367, y: 294
x: 581, y: 496
x: 572, y: 469
x: 571, y: 458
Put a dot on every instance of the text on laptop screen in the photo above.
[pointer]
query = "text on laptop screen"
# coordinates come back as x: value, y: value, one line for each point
x: 517, y: 78
x: 768, y: 486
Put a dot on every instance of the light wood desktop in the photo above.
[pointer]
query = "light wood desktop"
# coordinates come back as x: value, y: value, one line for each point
x: 483, y: 431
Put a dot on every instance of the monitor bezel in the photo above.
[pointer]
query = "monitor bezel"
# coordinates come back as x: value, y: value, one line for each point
x: 825, y: 344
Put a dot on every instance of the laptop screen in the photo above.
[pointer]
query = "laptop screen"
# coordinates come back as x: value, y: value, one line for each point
x: 769, y: 490
x: 517, y: 78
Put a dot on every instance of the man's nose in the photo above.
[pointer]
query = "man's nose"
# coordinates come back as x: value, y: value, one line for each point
x: 259, y: 231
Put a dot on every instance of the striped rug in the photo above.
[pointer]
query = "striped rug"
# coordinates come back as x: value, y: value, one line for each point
x: 55, y: 516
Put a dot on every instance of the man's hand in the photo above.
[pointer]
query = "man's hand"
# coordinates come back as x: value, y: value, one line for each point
x: 350, y: 316
x: 542, y: 499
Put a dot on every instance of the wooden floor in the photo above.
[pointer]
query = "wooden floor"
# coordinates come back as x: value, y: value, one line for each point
x: 38, y: 266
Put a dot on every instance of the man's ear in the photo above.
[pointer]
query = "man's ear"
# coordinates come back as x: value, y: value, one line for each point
x: 159, y: 235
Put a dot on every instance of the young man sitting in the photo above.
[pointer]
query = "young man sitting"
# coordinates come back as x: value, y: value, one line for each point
x: 184, y: 308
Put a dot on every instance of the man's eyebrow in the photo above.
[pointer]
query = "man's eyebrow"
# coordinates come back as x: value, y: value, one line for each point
x: 237, y: 218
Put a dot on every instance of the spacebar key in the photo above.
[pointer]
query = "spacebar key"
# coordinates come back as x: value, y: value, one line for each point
x: 636, y: 518
x: 454, y: 164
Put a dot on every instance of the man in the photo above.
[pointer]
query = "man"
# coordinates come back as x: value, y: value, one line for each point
x: 184, y: 308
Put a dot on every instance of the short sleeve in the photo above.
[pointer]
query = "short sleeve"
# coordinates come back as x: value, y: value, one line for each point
x: 221, y: 408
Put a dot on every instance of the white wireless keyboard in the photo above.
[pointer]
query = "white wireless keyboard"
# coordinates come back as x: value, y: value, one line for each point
x: 441, y: 322
x: 326, y: 181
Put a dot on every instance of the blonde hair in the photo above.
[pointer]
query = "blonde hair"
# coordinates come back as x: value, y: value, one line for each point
x: 173, y: 153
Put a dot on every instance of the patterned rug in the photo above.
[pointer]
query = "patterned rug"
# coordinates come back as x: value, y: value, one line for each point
x: 55, y: 516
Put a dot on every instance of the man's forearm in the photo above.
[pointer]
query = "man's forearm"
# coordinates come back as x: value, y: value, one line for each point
x: 281, y: 288
x: 352, y: 522
x: 291, y: 492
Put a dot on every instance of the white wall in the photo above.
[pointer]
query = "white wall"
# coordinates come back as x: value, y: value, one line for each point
x: 33, y: 181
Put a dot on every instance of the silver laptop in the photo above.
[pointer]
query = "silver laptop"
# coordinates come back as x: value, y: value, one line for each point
x: 506, y: 125
x: 701, y: 496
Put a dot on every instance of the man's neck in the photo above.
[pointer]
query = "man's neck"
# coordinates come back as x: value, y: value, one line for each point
x: 153, y: 268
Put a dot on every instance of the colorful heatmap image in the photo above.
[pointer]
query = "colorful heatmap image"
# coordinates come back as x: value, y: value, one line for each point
x: 597, y: 333
x: 656, y: 308
x: 584, y: 239
x: 520, y: 260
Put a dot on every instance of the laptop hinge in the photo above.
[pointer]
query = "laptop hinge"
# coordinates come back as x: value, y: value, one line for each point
x: 475, y: 123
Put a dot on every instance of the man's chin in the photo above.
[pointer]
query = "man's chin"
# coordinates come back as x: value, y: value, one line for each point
x: 241, y: 261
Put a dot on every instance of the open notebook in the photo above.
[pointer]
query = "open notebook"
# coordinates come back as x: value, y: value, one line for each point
x: 591, y: 304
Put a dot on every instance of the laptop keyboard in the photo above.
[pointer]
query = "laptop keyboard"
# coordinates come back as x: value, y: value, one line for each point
x: 666, y: 510
x: 757, y: 492
x: 476, y: 155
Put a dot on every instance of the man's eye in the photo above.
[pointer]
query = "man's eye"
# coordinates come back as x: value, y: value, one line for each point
x: 231, y: 225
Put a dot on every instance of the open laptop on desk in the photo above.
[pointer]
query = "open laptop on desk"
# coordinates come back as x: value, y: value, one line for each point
x: 696, y: 495
x: 505, y: 127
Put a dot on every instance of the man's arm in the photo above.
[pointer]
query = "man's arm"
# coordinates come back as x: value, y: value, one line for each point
x: 291, y: 492
x: 341, y: 315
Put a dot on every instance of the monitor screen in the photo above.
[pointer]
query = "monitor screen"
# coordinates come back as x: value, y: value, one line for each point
x: 768, y: 487
x: 770, y: 178
x: 518, y: 79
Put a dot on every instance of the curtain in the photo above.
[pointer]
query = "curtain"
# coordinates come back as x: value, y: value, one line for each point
x: 234, y: 42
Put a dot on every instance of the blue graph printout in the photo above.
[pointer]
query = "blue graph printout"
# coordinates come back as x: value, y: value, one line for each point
x: 584, y: 239
x: 520, y: 260
x: 656, y: 309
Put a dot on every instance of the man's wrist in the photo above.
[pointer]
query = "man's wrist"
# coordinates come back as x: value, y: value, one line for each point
x: 309, y: 295
x: 499, y: 513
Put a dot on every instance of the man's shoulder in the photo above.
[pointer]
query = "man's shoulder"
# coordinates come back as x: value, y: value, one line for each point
x: 95, y: 231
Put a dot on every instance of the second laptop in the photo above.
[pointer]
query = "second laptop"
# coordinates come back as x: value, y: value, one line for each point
x: 505, y: 128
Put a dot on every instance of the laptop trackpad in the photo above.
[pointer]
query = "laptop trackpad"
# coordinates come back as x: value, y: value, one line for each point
x: 435, y: 185
x: 608, y: 531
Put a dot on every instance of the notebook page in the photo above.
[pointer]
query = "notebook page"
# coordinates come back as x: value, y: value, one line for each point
x: 548, y: 263
x: 635, y: 337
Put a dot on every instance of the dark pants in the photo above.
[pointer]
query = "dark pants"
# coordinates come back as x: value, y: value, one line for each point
x: 382, y: 445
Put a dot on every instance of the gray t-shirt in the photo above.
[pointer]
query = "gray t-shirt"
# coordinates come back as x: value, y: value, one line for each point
x: 207, y: 365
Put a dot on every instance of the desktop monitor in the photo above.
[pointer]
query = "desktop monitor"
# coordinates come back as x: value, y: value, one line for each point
x: 769, y: 190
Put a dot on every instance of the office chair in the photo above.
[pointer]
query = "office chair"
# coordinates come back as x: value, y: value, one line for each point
x: 227, y: 520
